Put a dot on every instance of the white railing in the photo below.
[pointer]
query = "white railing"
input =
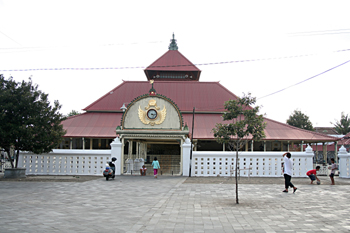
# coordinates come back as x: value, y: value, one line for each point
x: 65, y: 162
x: 254, y: 164
x: 215, y: 163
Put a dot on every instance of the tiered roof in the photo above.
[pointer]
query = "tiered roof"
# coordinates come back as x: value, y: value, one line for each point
x: 103, y: 116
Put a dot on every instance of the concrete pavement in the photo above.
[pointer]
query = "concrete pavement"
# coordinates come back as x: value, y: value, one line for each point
x: 172, y: 204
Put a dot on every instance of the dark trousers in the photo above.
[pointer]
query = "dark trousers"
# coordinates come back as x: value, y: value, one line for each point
x: 287, y: 182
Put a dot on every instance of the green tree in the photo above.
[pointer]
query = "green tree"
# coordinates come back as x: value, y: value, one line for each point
x: 73, y: 113
x: 300, y: 120
x: 342, y: 126
x: 28, y: 121
x: 246, y: 124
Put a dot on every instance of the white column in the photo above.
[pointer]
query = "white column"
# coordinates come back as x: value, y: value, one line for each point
x: 186, y: 153
x: 344, y: 163
x: 309, y: 160
x: 116, y: 151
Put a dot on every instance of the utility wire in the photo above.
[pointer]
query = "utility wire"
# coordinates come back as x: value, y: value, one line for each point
x: 317, y: 33
x: 25, y: 49
x: 305, y: 80
x: 10, y: 38
x: 143, y: 67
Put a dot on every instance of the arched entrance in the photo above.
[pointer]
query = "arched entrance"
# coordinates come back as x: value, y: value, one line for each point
x: 152, y: 126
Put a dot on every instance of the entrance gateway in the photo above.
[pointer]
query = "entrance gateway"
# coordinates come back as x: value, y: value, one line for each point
x: 152, y: 126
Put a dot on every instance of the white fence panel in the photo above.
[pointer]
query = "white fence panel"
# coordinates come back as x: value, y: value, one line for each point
x: 65, y: 162
x: 258, y: 164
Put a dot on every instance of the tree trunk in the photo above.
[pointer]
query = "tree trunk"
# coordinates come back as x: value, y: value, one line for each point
x: 17, y: 156
x: 9, y: 156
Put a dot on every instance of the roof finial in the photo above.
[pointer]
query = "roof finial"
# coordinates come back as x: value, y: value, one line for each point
x: 152, y: 91
x: 173, y: 45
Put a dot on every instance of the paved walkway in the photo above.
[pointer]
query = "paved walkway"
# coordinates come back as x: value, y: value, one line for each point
x: 172, y: 204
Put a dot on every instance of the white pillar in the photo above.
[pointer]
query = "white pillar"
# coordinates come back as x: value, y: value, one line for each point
x: 309, y: 159
x: 344, y: 163
x: 186, y: 161
x: 116, y: 151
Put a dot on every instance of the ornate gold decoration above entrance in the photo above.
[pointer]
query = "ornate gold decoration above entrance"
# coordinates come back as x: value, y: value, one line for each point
x: 152, y: 115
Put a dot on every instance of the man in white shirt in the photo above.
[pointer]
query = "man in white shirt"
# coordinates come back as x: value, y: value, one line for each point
x: 288, y: 171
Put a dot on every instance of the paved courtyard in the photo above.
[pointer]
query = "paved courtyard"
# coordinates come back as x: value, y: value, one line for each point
x: 173, y: 204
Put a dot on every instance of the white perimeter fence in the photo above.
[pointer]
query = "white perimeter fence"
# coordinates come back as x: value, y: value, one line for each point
x: 65, y: 162
x: 208, y: 163
x: 255, y: 164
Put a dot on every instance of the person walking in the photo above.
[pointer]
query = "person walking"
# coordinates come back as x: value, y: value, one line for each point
x: 288, y: 171
x: 155, y: 165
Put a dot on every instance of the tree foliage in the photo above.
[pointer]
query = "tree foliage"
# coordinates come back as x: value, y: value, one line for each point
x: 245, y: 124
x: 73, y: 113
x: 300, y: 120
x: 28, y: 121
x: 343, y: 125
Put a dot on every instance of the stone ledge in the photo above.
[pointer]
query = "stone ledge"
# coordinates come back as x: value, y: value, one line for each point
x: 15, y: 173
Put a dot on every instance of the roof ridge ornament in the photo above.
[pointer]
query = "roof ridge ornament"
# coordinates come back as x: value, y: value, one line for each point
x: 173, y: 45
x: 152, y: 91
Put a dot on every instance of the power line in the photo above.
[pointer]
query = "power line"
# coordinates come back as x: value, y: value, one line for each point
x: 323, y: 32
x: 10, y: 38
x: 143, y: 67
x: 305, y: 80
x: 73, y: 46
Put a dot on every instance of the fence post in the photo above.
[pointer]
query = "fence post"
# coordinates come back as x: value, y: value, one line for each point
x: 186, y: 150
x: 116, y: 151
x: 344, y: 163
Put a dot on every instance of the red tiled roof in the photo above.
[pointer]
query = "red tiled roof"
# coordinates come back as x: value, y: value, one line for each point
x: 172, y: 60
x: 104, y: 115
x: 102, y: 125
x: 279, y: 131
x: 326, y: 130
x: 92, y: 124
x: 345, y: 140
x: 274, y: 130
x: 185, y: 94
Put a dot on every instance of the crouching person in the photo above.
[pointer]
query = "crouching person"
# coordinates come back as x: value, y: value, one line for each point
x: 143, y: 170
x: 312, y: 174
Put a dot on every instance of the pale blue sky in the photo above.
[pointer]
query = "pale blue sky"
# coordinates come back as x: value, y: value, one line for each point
x: 100, y: 34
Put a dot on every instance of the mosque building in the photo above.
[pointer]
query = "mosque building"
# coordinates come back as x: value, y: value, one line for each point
x: 155, y: 116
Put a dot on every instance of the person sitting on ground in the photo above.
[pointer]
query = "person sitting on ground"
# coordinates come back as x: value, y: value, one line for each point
x: 143, y: 170
x: 312, y: 174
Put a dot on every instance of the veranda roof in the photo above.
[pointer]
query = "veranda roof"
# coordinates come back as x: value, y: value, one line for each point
x: 103, y: 125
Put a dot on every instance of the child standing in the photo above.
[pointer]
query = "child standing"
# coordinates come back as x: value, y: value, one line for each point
x: 334, y: 167
x: 155, y: 165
